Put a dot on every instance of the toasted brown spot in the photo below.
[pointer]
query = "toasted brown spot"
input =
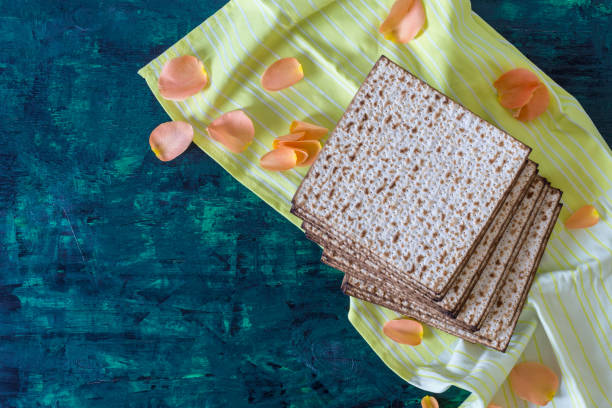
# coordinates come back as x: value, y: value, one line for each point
x: 460, y: 116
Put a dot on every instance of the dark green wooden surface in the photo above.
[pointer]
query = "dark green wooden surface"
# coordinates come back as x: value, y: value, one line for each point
x: 125, y: 282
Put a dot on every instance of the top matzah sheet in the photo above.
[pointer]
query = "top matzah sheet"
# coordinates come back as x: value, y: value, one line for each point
x: 410, y: 176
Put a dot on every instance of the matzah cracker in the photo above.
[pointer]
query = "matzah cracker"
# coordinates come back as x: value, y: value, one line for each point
x: 410, y: 177
x: 471, y: 271
x: 455, y: 297
x: 496, y: 330
x: 392, y: 284
x: 495, y: 271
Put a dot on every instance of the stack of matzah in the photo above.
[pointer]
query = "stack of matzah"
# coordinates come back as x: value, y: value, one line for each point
x: 428, y: 209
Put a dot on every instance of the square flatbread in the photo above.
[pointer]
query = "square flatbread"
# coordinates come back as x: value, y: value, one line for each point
x: 499, y: 324
x: 410, y: 178
x: 457, y: 294
x: 478, y: 303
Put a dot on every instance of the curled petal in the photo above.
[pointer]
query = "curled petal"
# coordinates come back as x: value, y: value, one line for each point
x: 516, y: 87
x: 169, y: 140
x: 404, y: 331
x: 429, y: 402
x: 534, y: 382
x: 182, y: 77
x: 311, y: 147
x: 282, y: 74
x: 585, y: 217
x: 301, y: 155
x: 405, y: 20
x: 292, y: 137
x: 312, y: 132
x: 281, y: 159
x: 536, y: 106
x: 234, y: 130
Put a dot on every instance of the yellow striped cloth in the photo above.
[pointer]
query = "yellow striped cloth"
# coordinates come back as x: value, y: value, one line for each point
x: 567, y: 321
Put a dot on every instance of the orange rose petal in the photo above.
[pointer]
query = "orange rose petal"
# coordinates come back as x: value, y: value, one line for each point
x: 429, y: 402
x: 311, y: 147
x: 412, y: 24
x: 282, y: 74
x: 181, y: 78
x: 313, y: 132
x: 234, y: 130
x: 534, y: 382
x: 292, y: 137
x: 281, y: 159
x: 169, y: 140
x: 302, y: 156
x: 516, y: 87
x: 398, y: 11
x: 405, y: 20
x: 585, y: 217
x: 536, y: 106
x: 404, y: 331
x: 493, y: 406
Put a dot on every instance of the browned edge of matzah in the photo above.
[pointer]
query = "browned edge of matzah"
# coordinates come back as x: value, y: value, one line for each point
x: 515, y: 251
x: 334, y: 258
x: 325, y: 243
x: 424, y: 305
x: 527, y: 288
x: 536, y: 265
x: 448, y: 284
x: 455, y: 310
x: 355, y: 292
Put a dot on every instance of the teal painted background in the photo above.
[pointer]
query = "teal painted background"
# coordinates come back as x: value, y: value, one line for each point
x: 125, y: 282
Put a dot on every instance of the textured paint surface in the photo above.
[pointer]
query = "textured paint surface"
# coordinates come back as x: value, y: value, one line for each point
x: 125, y: 282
